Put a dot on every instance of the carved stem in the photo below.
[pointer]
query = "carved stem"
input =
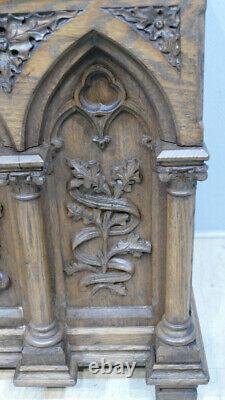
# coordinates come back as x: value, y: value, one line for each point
x: 43, y: 330
x: 176, y: 327
x: 108, y: 218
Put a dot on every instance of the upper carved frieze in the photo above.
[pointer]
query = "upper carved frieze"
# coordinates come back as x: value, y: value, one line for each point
x: 20, y: 35
x: 160, y: 25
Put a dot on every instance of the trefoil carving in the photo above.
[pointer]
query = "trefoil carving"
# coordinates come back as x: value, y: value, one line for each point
x: 99, y: 98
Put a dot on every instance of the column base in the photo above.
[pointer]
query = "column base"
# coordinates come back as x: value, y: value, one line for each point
x: 43, y: 336
x: 176, y: 394
x: 175, y: 368
x: 47, y: 367
x: 176, y: 334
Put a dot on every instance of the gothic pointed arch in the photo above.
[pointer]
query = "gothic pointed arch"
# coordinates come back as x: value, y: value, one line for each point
x: 57, y: 97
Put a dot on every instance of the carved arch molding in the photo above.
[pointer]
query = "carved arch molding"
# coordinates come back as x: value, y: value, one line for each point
x: 102, y: 200
x: 97, y: 90
x: 20, y: 34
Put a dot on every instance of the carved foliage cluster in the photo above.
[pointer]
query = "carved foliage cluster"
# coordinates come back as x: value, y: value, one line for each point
x: 19, y: 36
x: 105, y: 211
x: 160, y: 25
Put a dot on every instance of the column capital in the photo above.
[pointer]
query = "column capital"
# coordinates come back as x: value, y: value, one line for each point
x: 27, y: 185
x: 24, y: 185
x: 181, y: 180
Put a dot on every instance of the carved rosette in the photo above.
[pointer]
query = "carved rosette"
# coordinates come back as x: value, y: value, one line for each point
x: 20, y: 35
x: 160, y: 25
x: 102, y: 206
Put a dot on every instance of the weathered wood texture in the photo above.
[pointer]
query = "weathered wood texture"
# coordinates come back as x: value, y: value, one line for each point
x: 101, y: 150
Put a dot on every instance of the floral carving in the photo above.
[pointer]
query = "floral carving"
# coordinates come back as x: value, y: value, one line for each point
x: 19, y: 36
x: 102, y: 206
x: 160, y: 25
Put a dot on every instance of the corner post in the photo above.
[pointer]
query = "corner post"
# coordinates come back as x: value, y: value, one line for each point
x: 44, y: 360
x: 176, y: 327
x: 43, y: 331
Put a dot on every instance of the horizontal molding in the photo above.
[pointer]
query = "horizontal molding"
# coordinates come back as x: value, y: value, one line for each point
x: 85, y: 358
x: 106, y: 313
x: 10, y: 360
x: 31, y: 160
x: 106, y: 339
x: 11, y: 317
x: 172, y: 154
x: 17, y: 163
x: 106, y: 331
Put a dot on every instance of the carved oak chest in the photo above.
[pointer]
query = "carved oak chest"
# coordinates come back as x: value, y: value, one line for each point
x: 101, y: 149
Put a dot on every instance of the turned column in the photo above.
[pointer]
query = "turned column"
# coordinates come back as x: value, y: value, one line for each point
x: 176, y: 327
x: 42, y: 330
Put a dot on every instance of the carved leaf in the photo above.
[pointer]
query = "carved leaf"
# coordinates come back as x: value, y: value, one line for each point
x: 114, y: 288
x: 133, y: 245
x: 19, y: 35
x: 161, y: 25
x: 125, y: 175
x: 89, y: 217
x: 88, y: 175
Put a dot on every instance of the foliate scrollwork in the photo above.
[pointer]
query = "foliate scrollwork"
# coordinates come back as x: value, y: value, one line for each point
x: 102, y: 206
x: 160, y: 25
x: 181, y: 181
x: 19, y: 36
x: 99, y: 98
